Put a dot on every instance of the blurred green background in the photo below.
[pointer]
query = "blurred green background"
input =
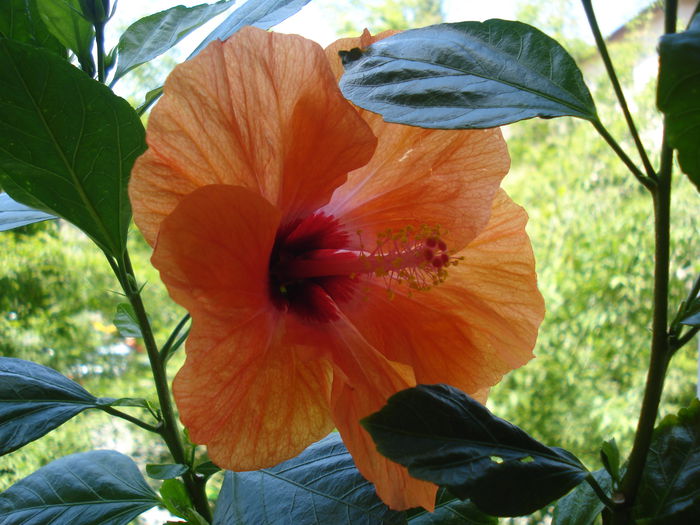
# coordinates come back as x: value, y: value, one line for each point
x: 591, y: 228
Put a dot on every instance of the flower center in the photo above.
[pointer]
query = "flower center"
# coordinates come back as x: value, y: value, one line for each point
x: 312, y: 267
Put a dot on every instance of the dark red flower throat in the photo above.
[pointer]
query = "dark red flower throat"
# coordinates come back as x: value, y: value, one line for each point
x: 315, y: 239
x: 313, y: 268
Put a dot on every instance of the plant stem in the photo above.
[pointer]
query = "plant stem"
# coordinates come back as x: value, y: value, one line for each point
x: 602, y: 48
x: 100, y: 41
x: 647, y: 182
x: 169, y: 429
x: 131, y: 419
x: 599, y: 491
x: 660, y: 346
x: 173, y: 343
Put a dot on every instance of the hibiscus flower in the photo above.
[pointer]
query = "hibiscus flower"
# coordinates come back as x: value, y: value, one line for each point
x: 328, y: 259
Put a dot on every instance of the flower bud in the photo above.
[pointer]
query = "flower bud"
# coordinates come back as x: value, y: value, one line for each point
x: 95, y: 11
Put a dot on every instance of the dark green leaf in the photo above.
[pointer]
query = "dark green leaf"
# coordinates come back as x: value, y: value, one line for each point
x: 67, y: 143
x: 444, y: 436
x: 101, y: 487
x: 670, y: 488
x: 678, y: 95
x: 467, y: 75
x: 175, y: 497
x: 63, y: 19
x: 167, y: 471
x: 13, y: 214
x: 207, y: 469
x: 692, y: 314
x: 450, y: 511
x: 321, y: 486
x: 581, y: 506
x: 34, y: 400
x: 149, y: 99
x: 257, y: 13
x: 20, y: 21
x: 125, y: 321
x: 155, y: 34
x: 610, y: 455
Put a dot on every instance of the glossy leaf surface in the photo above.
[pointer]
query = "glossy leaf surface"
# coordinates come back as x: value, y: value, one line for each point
x: 153, y: 35
x: 34, y: 400
x: 64, y: 21
x: 14, y: 214
x: 100, y: 487
x: 67, y: 143
x: 678, y: 95
x: 450, y: 510
x: 257, y: 13
x: 670, y: 488
x: 467, y: 75
x: 582, y: 506
x: 444, y: 436
x: 20, y: 21
x: 166, y: 471
x: 318, y: 487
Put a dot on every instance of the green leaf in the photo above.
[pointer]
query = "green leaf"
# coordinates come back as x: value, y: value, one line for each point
x: 257, y: 13
x: 20, y: 21
x: 64, y: 20
x: 450, y: 511
x: 153, y: 35
x: 165, y: 471
x: 692, y: 314
x: 207, y: 469
x: 34, y: 400
x: 100, y: 487
x: 581, y: 506
x: 125, y: 321
x: 67, y: 143
x: 318, y: 487
x: 13, y: 214
x: 175, y: 497
x: 670, y: 488
x: 678, y: 95
x: 467, y: 75
x: 610, y: 456
x: 444, y: 436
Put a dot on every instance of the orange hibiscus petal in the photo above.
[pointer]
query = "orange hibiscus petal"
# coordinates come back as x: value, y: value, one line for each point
x: 470, y: 330
x: 262, y: 111
x: 418, y: 177
x: 251, y: 399
x: 363, y: 381
x: 213, y: 251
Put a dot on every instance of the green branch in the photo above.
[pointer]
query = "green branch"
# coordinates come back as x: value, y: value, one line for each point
x: 647, y: 182
x: 131, y: 419
x: 169, y: 428
x: 602, y: 48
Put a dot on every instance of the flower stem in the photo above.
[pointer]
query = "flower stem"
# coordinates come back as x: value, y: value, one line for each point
x: 169, y: 429
x: 100, y: 41
x: 660, y: 346
x: 602, y: 48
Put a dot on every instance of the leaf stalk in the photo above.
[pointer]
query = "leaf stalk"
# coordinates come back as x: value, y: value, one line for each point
x: 169, y: 428
x: 602, y: 48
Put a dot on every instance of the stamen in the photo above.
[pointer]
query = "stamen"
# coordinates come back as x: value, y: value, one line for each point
x: 418, y: 259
